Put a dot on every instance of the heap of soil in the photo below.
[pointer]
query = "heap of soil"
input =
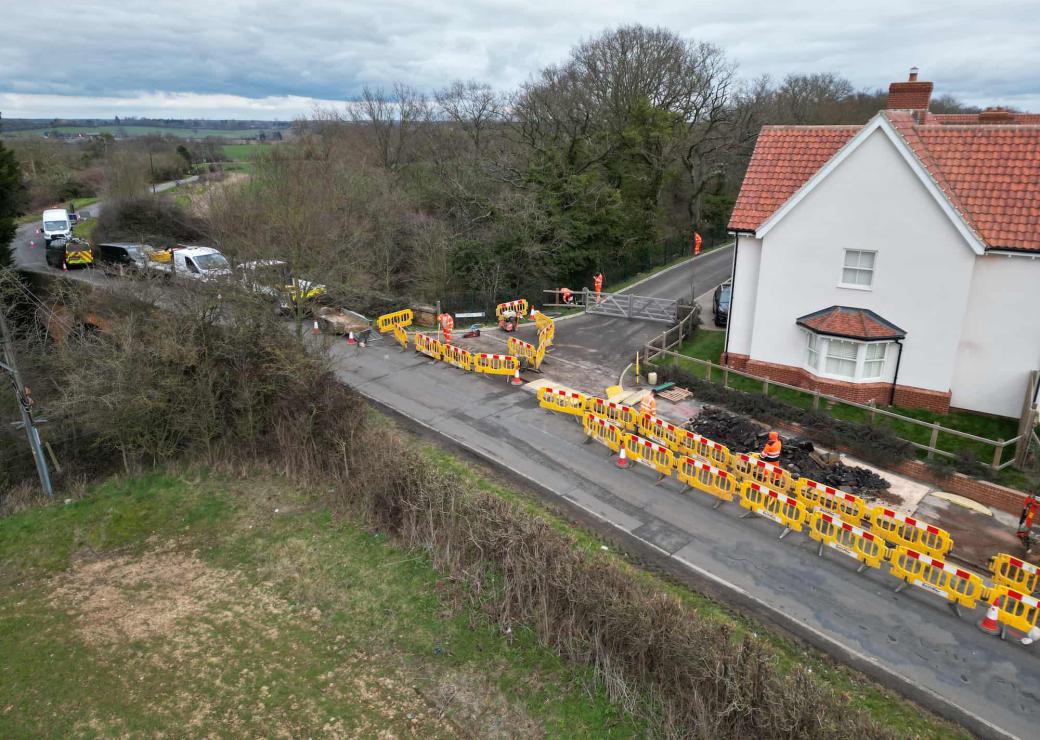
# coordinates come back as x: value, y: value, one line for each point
x: 743, y: 435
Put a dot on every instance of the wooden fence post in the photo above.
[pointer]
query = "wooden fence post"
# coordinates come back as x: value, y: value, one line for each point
x: 816, y: 399
x: 998, y: 452
x: 765, y: 386
x: 725, y: 376
x: 933, y: 441
x: 707, y: 372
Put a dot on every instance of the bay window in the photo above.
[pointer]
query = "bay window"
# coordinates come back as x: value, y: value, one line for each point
x: 841, y: 358
x: 845, y: 359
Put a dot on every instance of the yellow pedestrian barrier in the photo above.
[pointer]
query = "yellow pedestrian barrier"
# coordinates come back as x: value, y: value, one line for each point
x: 602, y: 431
x: 388, y: 321
x: 651, y: 454
x: 546, y: 329
x: 495, y: 364
x: 779, y: 507
x: 565, y: 402
x: 527, y: 351
x: 900, y: 529
x: 658, y: 429
x: 624, y: 416
x: 519, y: 306
x: 935, y: 576
x: 847, y: 507
x: 846, y: 538
x: 401, y: 336
x: 457, y: 356
x: 749, y: 467
x: 1015, y: 609
x: 706, y: 477
x: 1014, y: 573
x: 707, y: 449
x: 428, y: 345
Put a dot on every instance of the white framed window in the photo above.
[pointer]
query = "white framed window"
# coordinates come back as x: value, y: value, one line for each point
x: 812, y: 353
x: 845, y: 359
x: 841, y: 358
x: 857, y: 271
x: 874, y: 359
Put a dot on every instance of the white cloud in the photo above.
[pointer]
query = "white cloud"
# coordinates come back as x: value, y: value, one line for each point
x: 162, y: 105
x: 267, y: 50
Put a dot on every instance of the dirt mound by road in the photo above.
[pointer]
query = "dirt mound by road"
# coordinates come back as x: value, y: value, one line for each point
x: 743, y: 435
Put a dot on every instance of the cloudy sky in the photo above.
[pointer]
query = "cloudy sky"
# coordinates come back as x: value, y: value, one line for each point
x: 265, y: 60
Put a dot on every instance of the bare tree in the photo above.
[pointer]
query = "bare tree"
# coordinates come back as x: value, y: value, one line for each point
x: 394, y: 119
x: 472, y: 106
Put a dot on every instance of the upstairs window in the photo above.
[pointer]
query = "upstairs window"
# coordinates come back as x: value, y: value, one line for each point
x: 858, y: 269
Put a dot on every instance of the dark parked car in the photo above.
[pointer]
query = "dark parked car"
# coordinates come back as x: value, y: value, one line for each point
x: 720, y: 303
x: 122, y: 257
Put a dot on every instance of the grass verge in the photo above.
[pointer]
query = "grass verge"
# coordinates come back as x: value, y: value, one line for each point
x: 245, y: 606
x: 891, y: 711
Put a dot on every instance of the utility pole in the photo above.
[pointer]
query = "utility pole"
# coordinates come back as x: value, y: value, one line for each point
x: 27, y: 423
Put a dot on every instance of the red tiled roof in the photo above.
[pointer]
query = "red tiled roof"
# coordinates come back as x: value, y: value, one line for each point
x: 989, y: 173
x: 853, y: 323
x: 988, y: 116
x: 784, y: 158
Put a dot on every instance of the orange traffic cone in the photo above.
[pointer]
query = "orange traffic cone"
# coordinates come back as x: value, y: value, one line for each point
x: 64, y: 266
x: 533, y: 312
x: 350, y: 338
x: 315, y: 329
x: 32, y: 244
x: 517, y: 380
x: 990, y: 624
x: 622, y: 459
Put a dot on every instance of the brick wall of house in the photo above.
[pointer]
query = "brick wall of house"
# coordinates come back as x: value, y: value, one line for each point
x: 735, y: 361
x: 922, y: 398
x: 880, y: 393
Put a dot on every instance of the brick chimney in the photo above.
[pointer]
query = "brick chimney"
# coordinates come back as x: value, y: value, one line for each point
x: 909, y: 95
x: 996, y: 115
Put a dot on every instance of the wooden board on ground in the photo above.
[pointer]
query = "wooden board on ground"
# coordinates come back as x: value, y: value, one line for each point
x: 675, y: 394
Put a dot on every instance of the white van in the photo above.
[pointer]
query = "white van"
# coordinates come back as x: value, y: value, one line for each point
x: 199, y: 263
x: 56, y: 225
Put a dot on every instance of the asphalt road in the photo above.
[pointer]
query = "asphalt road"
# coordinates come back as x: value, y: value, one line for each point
x: 910, y: 641
x: 30, y: 252
x: 605, y: 343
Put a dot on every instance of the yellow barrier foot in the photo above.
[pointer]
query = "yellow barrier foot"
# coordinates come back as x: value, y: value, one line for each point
x: 717, y: 504
x: 660, y: 478
x: 587, y: 440
x: 819, y: 552
x: 900, y: 587
x: 860, y: 569
x: 783, y: 534
x: 955, y: 609
x: 747, y: 514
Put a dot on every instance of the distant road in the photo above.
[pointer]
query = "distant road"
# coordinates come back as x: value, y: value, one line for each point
x: 29, y: 249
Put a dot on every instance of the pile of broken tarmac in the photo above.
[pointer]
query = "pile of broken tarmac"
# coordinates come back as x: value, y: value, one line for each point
x: 743, y: 435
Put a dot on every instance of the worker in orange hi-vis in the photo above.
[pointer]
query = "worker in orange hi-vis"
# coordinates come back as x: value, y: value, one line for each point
x: 447, y: 324
x: 771, y: 450
x: 648, y: 405
x: 696, y: 243
x: 567, y: 295
x: 598, y: 280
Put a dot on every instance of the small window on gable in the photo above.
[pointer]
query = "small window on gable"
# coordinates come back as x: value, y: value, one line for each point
x: 858, y: 269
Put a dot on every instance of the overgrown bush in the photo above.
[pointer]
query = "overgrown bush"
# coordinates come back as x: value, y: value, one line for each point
x: 875, y: 444
x: 157, y: 221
